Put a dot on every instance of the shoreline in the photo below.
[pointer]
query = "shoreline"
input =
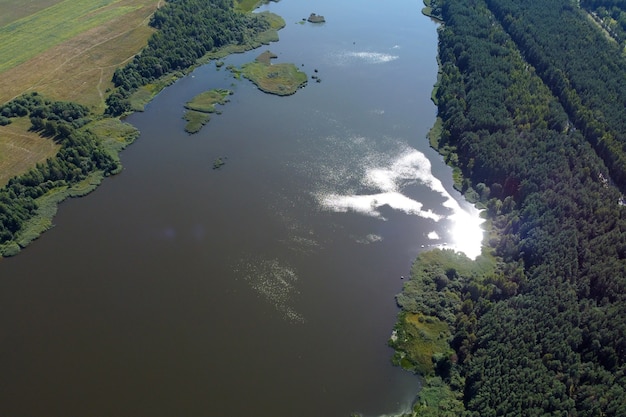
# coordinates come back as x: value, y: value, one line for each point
x: 420, y: 339
x: 114, y: 135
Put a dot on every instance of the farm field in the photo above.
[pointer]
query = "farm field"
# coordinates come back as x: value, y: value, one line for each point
x: 65, y: 50
x: 21, y: 149
x: 69, y: 50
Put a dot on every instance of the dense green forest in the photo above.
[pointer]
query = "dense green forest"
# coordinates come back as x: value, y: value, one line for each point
x: 532, y: 100
x: 611, y: 14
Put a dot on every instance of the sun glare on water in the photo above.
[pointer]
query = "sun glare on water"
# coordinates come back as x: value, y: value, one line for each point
x: 467, y: 232
x: 387, y: 183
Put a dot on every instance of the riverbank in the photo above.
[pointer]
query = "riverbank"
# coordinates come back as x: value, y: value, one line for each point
x: 29, y: 213
x: 425, y: 331
x: 552, y: 209
x: 144, y: 94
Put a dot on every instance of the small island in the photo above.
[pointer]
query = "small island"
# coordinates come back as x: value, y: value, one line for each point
x: 201, y: 106
x: 280, y: 79
x: 315, y: 18
x: 219, y: 162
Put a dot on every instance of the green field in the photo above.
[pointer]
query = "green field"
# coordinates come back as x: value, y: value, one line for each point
x: 20, y: 149
x: 16, y: 9
x: 66, y: 50
x: 53, y: 25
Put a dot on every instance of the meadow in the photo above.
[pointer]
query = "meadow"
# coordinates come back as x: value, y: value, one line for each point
x: 21, y: 149
x: 65, y: 50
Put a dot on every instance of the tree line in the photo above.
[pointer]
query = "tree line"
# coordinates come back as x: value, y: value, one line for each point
x: 80, y: 155
x: 540, y: 333
x: 186, y: 31
x: 612, y: 16
x: 581, y: 66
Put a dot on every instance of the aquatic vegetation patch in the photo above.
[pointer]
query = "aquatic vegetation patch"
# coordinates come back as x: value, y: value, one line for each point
x: 195, y: 120
x: 315, y: 18
x: 219, y: 162
x: 201, y: 106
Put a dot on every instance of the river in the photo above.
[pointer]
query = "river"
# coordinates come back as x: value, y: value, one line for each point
x: 265, y: 287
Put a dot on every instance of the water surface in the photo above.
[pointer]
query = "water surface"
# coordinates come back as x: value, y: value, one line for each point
x: 265, y: 287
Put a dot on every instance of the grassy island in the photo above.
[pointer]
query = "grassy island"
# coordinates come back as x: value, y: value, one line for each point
x: 315, y: 18
x: 201, y: 106
x: 280, y: 79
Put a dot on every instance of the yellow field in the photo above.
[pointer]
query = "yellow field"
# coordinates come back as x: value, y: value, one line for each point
x: 65, y: 50
x: 20, y: 149
x: 70, y: 49
x: 16, y: 9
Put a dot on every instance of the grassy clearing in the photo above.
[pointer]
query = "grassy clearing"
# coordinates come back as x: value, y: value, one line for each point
x: 249, y: 5
x: 246, y: 5
x: 115, y: 135
x: 279, y: 79
x: 435, y: 133
x: 428, y: 11
x: 421, y: 339
x: 448, y: 153
x: 21, y: 149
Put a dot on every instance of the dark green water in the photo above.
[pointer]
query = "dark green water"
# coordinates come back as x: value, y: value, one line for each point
x: 263, y: 288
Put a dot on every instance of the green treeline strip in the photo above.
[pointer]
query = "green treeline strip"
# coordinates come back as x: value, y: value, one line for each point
x: 542, y: 332
x: 580, y: 65
x: 612, y: 16
x: 187, y: 31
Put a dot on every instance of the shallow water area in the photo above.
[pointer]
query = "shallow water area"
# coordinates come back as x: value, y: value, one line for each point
x: 264, y: 287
